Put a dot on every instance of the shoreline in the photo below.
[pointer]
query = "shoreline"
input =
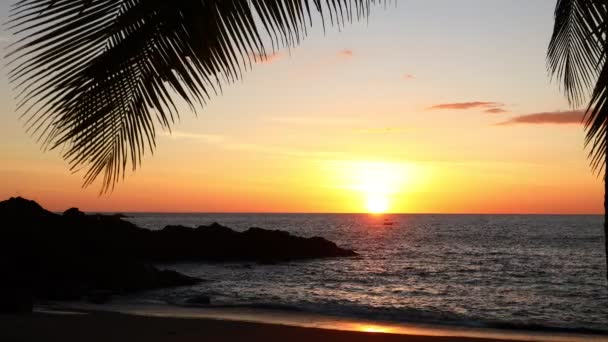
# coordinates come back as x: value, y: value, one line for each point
x: 272, y: 319
x: 111, y: 326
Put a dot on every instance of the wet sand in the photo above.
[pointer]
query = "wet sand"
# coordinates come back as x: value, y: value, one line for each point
x: 107, y: 326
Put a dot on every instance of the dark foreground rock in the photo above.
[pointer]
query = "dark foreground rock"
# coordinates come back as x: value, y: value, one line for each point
x: 71, y: 256
x: 218, y: 243
x: 15, y: 300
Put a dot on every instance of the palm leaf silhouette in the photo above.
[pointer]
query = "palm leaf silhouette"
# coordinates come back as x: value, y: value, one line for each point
x: 577, y: 56
x: 96, y: 77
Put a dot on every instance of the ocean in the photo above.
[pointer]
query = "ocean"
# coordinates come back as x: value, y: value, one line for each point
x: 538, y: 272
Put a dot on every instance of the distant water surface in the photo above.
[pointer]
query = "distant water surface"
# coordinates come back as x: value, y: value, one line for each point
x: 508, y: 271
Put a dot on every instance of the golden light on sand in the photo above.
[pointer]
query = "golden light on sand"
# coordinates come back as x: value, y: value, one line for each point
x: 374, y: 328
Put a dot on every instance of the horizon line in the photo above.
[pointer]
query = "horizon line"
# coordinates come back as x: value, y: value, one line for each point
x: 327, y: 213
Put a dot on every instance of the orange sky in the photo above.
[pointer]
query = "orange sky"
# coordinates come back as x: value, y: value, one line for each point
x: 398, y: 113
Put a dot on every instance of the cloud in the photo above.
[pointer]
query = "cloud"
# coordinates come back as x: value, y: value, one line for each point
x: 557, y: 118
x: 496, y: 111
x: 466, y: 105
x: 346, y: 53
x: 408, y: 77
x: 266, y: 59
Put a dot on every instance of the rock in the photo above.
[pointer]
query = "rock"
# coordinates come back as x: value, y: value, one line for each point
x: 99, y: 297
x: 219, y: 243
x: 73, y: 213
x: 15, y: 301
x: 168, y: 278
x: 215, y: 228
x: 18, y: 207
x: 71, y: 256
x: 199, y: 300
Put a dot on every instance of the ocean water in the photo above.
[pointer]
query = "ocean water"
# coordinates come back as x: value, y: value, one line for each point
x: 544, y: 272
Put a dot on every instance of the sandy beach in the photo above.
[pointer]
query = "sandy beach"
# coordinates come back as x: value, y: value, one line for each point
x: 106, y: 326
x: 113, y: 326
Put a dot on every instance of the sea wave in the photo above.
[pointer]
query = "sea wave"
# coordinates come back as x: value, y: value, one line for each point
x: 401, y: 316
x: 499, y: 271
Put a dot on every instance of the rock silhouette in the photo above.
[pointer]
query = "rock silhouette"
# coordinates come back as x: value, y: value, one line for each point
x: 70, y: 256
x: 218, y: 243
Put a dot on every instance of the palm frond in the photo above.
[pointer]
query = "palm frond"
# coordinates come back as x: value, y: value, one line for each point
x: 577, y: 57
x: 574, y: 50
x: 596, y: 122
x: 97, y: 77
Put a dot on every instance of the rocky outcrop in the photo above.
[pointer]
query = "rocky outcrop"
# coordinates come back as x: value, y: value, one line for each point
x: 73, y: 255
x: 67, y: 257
x: 15, y: 300
x: 218, y: 243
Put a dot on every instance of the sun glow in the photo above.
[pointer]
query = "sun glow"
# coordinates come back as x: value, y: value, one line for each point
x: 375, y: 187
x: 377, y: 204
x: 378, y: 182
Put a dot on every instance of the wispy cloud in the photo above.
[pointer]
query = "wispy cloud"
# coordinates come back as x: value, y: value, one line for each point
x: 557, y: 118
x: 496, y: 111
x: 466, y: 105
x: 266, y: 59
x: 408, y: 76
x: 346, y: 53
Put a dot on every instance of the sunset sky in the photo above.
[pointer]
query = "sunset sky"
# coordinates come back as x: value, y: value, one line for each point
x: 432, y: 106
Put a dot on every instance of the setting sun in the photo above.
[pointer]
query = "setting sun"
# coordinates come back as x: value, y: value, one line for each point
x: 377, y: 204
x: 378, y: 182
x: 376, y: 186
